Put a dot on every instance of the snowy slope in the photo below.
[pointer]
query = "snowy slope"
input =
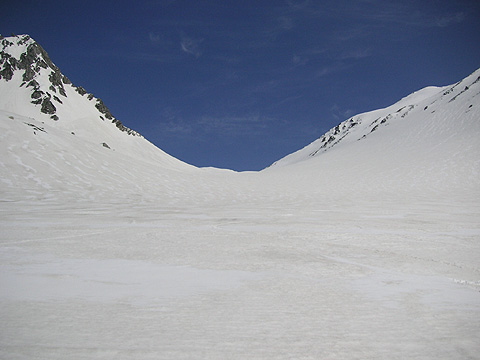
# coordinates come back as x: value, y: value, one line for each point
x: 364, y: 244
x: 31, y: 86
x: 421, y: 106
x: 56, y: 138
x: 426, y: 145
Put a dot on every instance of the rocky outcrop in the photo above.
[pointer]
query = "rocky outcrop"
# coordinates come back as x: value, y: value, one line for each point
x: 81, y: 90
x: 103, y: 109
x: 34, y: 63
x: 48, y: 107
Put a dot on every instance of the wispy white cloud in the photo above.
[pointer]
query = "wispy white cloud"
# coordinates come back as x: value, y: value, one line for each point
x: 354, y: 54
x: 249, y: 124
x: 340, y: 114
x: 147, y: 56
x: 324, y: 71
x: 450, y: 19
x: 327, y: 70
x: 351, y: 33
x: 177, y: 127
x: 305, y: 56
x: 409, y: 14
x: 375, y: 13
x: 268, y: 86
x: 299, y: 60
x: 285, y: 23
x: 154, y: 37
x: 191, y: 46
x: 172, y: 121
x: 278, y: 26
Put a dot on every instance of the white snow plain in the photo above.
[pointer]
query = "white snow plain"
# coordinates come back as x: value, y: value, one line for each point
x: 368, y: 251
x: 279, y: 280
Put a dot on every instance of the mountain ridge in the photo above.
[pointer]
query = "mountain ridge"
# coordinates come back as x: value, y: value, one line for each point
x: 360, y: 126
x: 21, y: 56
x: 382, y: 152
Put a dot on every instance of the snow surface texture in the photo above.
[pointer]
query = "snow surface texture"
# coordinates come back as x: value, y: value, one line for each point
x: 367, y: 247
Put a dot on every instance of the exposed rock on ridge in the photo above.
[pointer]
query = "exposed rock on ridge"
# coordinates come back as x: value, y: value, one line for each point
x: 22, y: 54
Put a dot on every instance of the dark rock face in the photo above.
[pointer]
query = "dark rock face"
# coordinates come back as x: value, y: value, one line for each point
x: 33, y: 83
x: 48, y: 107
x: 7, y: 72
x: 103, y: 109
x: 31, y: 62
x: 335, y: 135
x: 35, y: 54
x: 56, y: 78
x: 122, y: 127
x: 29, y: 74
x: 37, y: 94
x: 81, y: 90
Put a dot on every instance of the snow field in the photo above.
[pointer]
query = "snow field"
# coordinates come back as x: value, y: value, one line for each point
x: 237, y: 282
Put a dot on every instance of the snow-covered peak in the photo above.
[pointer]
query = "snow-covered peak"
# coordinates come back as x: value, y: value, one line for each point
x: 36, y: 85
x: 39, y: 106
x: 422, y: 103
x: 15, y: 46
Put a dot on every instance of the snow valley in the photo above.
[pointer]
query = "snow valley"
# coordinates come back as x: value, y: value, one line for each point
x: 363, y: 244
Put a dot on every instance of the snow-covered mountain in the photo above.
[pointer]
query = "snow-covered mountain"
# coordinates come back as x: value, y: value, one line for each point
x: 458, y: 102
x: 38, y: 87
x: 57, y: 137
x: 33, y: 88
x: 364, y: 244
x: 427, y: 145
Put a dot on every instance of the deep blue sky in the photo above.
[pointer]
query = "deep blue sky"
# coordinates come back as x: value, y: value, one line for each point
x: 240, y: 84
